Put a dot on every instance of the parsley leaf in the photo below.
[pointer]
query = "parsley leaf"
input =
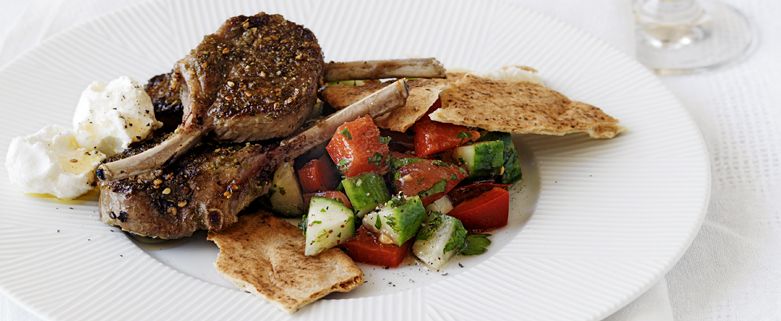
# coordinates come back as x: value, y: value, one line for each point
x: 346, y: 133
x: 457, y: 239
x: 343, y: 164
x: 464, y: 135
x: 376, y: 159
x: 385, y: 139
x: 476, y: 244
x: 440, y: 163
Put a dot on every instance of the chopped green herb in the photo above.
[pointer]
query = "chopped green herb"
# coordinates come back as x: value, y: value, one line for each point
x: 385, y: 139
x: 464, y: 135
x: 457, y: 241
x: 439, y: 187
x: 378, y: 223
x: 376, y: 159
x: 317, y: 222
x: 397, y: 163
x: 453, y: 177
x: 440, y: 163
x: 346, y: 133
x: 476, y: 244
x: 430, y: 226
x: 302, y: 224
x: 343, y: 163
x: 391, y: 221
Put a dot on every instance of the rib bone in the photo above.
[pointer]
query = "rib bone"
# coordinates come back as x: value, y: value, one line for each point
x: 379, y: 69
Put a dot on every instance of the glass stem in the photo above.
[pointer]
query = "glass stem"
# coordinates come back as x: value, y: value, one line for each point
x: 669, y: 11
x: 670, y: 23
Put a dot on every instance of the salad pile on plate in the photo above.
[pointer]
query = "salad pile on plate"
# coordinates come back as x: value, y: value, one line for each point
x: 379, y: 196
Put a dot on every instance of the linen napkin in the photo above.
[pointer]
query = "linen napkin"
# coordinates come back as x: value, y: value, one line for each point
x: 24, y: 24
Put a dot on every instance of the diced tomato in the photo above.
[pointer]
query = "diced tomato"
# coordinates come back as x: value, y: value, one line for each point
x: 336, y: 195
x: 432, y: 137
x: 473, y: 190
x: 428, y: 178
x: 487, y: 211
x: 318, y: 175
x: 357, y: 148
x: 365, y: 247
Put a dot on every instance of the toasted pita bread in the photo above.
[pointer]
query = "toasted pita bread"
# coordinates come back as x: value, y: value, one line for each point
x: 520, y: 107
x: 422, y: 94
x: 264, y: 255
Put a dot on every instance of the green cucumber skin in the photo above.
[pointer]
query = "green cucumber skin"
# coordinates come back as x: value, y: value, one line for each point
x: 409, y: 215
x: 486, y: 160
x: 512, y: 162
x: 366, y: 191
x: 399, y: 219
x: 489, y: 158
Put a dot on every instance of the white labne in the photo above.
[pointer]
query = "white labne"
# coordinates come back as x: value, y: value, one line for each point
x: 110, y: 116
x: 513, y: 74
x: 51, y: 162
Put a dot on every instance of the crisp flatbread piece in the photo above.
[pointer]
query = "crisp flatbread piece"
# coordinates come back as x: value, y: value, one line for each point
x: 422, y: 94
x: 520, y: 107
x: 264, y: 255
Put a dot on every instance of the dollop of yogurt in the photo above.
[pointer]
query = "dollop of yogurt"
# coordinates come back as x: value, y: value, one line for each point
x: 51, y: 162
x: 109, y: 117
x: 514, y: 74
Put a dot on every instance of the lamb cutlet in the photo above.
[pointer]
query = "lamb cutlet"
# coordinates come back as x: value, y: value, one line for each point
x: 208, y: 187
x: 254, y: 79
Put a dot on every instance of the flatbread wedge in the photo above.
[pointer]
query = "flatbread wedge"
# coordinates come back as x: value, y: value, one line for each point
x: 264, y: 255
x: 422, y: 94
x: 520, y: 107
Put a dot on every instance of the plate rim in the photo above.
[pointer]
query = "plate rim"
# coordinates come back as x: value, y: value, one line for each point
x: 669, y: 264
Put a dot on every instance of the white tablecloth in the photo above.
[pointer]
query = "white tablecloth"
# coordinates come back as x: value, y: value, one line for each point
x: 733, y: 269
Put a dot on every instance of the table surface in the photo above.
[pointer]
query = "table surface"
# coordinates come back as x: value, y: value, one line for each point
x: 732, y: 270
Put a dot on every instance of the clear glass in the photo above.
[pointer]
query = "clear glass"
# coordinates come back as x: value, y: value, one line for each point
x: 685, y: 36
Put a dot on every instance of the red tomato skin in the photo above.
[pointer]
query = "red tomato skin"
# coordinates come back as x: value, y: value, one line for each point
x: 336, y: 195
x: 420, y: 176
x: 365, y: 248
x: 356, y: 143
x: 317, y: 175
x: 432, y: 137
x: 488, y: 211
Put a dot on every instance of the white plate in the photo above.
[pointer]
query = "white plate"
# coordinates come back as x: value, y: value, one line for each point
x: 612, y: 216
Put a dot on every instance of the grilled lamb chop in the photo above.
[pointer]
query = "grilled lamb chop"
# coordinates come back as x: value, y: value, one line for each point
x: 211, y: 184
x: 255, y: 78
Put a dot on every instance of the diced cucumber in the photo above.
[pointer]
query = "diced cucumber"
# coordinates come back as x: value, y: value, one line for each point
x: 328, y: 224
x: 482, y: 159
x: 285, y: 193
x: 512, y: 162
x: 440, y: 237
x: 442, y: 205
x: 365, y: 192
x: 397, y: 220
